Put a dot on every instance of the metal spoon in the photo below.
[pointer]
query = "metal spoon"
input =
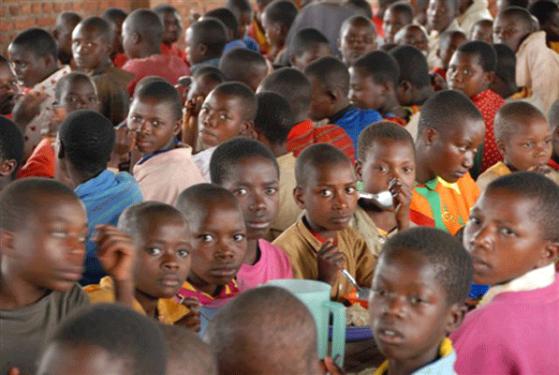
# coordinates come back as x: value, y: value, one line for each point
x: 384, y: 199
x: 362, y: 293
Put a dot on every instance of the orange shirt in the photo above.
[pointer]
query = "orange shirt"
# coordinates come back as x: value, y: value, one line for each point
x: 42, y: 161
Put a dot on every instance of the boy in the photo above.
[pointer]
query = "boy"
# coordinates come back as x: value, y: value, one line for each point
x: 448, y: 44
x: 441, y: 17
x: 245, y: 321
x: 141, y: 38
x: 524, y: 138
x: 166, y: 167
x: 386, y: 162
x: 471, y: 70
x: 11, y: 151
x: 547, y: 13
x: 242, y: 10
x: 396, y: 17
x: 249, y: 170
x: 329, y: 80
x: 321, y: 243
x: 116, y: 17
x: 537, y: 66
x: 450, y: 131
x: 413, y: 35
x: 276, y: 22
x: 307, y: 46
x: 255, y: 30
x: 513, y: 239
x: 65, y: 24
x: 418, y: 294
x: 357, y: 38
x: 105, y: 339
x: 553, y: 117
x: 482, y: 30
x: 9, y: 88
x: 172, y: 30
x: 245, y: 66
x: 91, y: 47
x: 205, y: 40
x: 504, y: 82
x: 227, y: 112
x: 187, y: 353
x: 471, y: 12
x: 226, y: 16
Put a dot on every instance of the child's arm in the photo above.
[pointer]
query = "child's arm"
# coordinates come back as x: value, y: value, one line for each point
x: 330, y: 262
x: 189, y: 132
x: 402, y: 199
x: 192, y: 319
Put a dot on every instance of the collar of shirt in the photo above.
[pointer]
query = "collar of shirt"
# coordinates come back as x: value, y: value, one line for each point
x: 225, y: 291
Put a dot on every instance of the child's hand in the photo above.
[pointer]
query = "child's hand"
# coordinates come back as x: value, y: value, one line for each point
x: 402, y: 199
x: 330, y: 262
x: 542, y: 169
x: 192, y: 319
x: 28, y: 107
x: 116, y: 252
x: 330, y: 367
x: 13, y: 371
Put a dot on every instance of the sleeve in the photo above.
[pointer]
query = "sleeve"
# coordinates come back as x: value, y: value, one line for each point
x: 365, y: 262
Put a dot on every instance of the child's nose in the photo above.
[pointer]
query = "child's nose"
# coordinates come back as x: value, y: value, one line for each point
x: 395, y: 305
x: 340, y: 201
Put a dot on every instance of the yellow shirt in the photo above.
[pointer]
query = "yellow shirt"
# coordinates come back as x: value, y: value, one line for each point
x: 288, y: 210
x: 500, y: 169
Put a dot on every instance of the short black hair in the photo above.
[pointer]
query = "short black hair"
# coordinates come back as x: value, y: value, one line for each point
x: 243, y: 93
x: 123, y: 333
x: 293, y: 85
x: 506, y: 62
x: 165, y: 8
x: 305, y: 40
x: 134, y: 218
x: 379, y: 65
x: 11, y: 143
x: 331, y: 72
x: 71, y: 78
x: 101, y: 25
x: 37, y: 41
x: 239, y: 6
x: 447, y: 36
x: 71, y: 18
x: 321, y: 155
x: 358, y: 21
x: 403, y: 8
x: 487, y: 57
x: 274, y: 118
x: 187, y: 353
x: 543, y: 10
x: 162, y: 91
x: 553, y: 115
x: 518, y: 3
x: 210, y: 32
x: 227, y: 17
x: 212, y: 72
x: 363, y: 6
x: 520, y: 14
x: 232, y: 152
x: 282, y: 12
x: 444, y: 253
x: 413, y: 66
x: 513, y: 115
x: 23, y: 198
x: 146, y: 23
x: 195, y: 200
x: 545, y: 193
x: 382, y: 130
x: 240, y: 64
x: 86, y: 140
x: 114, y: 14
x: 442, y: 109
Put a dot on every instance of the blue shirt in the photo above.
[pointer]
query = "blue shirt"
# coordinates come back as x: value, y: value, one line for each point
x: 105, y: 197
x: 353, y: 120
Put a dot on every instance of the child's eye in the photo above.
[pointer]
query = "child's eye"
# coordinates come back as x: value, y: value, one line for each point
x: 206, y: 238
x: 408, y: 170
x: 238, y: 237
x: 135, y: 118
x: 326, y: 193
x: 507, y: 232
x: 527, y: 145
x: 241, y: 192
x: 382, y: 169
x: 350, y: 189
x: 462, y: 149
x: 223, y: 117
x: 155, y: 123
x: 183, y: 253
x: 474, y: 220
x: 271, y: 191
x: 415, y: 300
x: 153, y: 251
x: 92, y: 99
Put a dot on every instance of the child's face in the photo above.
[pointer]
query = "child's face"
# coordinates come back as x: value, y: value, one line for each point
x: 482, y: 32
x: 8, y: 89
x: 164, y: 252
x: 329, y: 197
x: 392, y: 23
x: 220, y: 119
x: 385, y: 161
x: 446, y: 50
x: 509, y: 31
x: 117, y: 42
x: 503, y: 238
x: 416, y: 37
x: 79, y: 95
x: 364, y: 92
x: 439, y: 15
x: 194, y: 50
x: 357, y: 41
x: 530, y: 145
x: 301, y: 61
x: 153, y: 124
x: 245, y: 19
x: 273, y: 30
x: 322, y: 102
x: 408, y: 309
x: 556, y: 144
x: 29, y: 68
x: 172, y: 27
x: 255, y: 183
x: 89, y: 48
x: 219, y: 241
x: 466, y: 74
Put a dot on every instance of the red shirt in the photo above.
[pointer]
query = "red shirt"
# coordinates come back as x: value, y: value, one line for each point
x: 119, y: 60
x: 441, y: 72
x: 42, y: 161
x: 488, y: 103
x: 553, y: 164
x: 173, y: 50
x: 167, y: 67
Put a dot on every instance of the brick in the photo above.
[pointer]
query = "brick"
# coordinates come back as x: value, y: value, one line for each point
x: 57, y: 7
x: 22, y: 24
x: 45, y: 21
x: 14, y: 10
x: 46, y: 7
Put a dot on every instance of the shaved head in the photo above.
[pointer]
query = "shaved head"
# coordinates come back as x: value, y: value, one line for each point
x: 513, y: 115
x: 186, y: 353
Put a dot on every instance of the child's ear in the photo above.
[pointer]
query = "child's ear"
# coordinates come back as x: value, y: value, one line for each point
x: 298, y: 195
x: 501, y: 147
x: 455, y: 317
x: 177, y: 127
x: 489, y: 78
x: 202, y: 48
x: 358, y: 169
x: 6, y: 243
x: 430, y: 135
x: 60, y: 150
x: 247, y: 130
x: 550, y: 253
x: 7, y: 167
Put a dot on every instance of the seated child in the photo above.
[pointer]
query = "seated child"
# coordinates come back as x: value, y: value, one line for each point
x: 141, y: 38
x: 537, y: 66
x: 62, y: 33
x: 448, y: 44
x: 242, y: 9
x: 84, y: 145
x: 105, y: 339
x: 277, y: 19
x: 451, y: 129
x: 116, y: 17
x: 386, y: 162
x: 307, y: 46
x: 482, y: 30
x: 172, y: 30
x: 91, y: 46
x: 187, y: 353
x: 227, y: 112
x: 415, y: 36
x: 471, y: 12
x: 249, y: 319
x: 373, y: 84
x: 9, y: 88
x: 245, y: 66
x: 513, y: 238
x: 504, y: 82
x: 329, y: 80
x: 166, y: 167
x: 255, y: 30
x: 321, y: 243
x: 219, y: 243
x: 418, y: 268
x: 396, y: 17
x: 227, y: 17
x: 296, y: 88
x: 357, y: 38
x: 547, y: 13
x: 11, y: 151
x: 471, y: 70
x: 205, y: 40
x: 524, y: 138
x: 553, y: 117
x: 441, y: 17
x: 250, y: 171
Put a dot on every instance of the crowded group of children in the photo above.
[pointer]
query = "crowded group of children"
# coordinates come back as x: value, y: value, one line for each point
x: 165, y: 175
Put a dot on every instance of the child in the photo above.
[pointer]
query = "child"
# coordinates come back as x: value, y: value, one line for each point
x: 91, y: 46
x: 482, y: 30
x: 307, y: 46
x: 242, y: 10
x: 245, y: 66
x: 227, y: 112
x: 357, y: 38
x: 219, y: 247
x: 450, y: 131
x: 553, y: 117
x: 84, y: 145
x: 386, y: 162
x: 105, y: 339
x: 249, y: 320
x: 396, y: 17
x: 141, y: 38
x: 116, y: 17
x: 470, y: 13
x: 321, y: 243
x: 65, y: 24
x: 255, y: 30
x: 413, y: 35
x: 504, y: 82
x: 276, y: 22
x: 330, y: 87
x: 418, y: 294
x: 172, y: 30
x: 513, y: 239
x: 205, y: 40
x: 9, y: 88
x: 441, y: 17
x: 166, y: 167
x: 226, y: 16
x: 471, y: 70
x: 547, y: 13
x: 537, y: 67
x: 11, y: 151
x: 249, y: 170
x: 448, y: 44
x: 524, y: 138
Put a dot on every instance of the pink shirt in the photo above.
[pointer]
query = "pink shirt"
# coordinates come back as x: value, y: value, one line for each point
x: 273, y: 264
x: 168, y: 67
